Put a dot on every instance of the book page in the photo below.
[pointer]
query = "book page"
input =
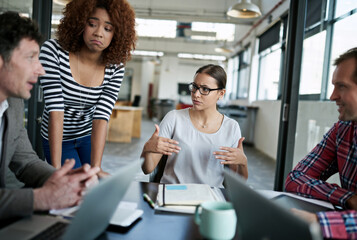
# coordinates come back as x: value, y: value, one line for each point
x: 185, y: 194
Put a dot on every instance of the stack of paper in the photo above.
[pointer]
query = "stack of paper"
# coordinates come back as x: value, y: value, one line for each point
x: 185, y: 197
x: 125, y: 214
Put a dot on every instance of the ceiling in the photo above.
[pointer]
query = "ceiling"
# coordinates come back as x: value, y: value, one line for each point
x: 181, y: 11
x: 186, y: 10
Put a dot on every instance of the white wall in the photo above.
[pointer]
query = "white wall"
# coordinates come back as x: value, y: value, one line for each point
x: 167, y: 87
x: 143, y: 74
x: 314, y: 120
x: 173, y: 71
x: 267, y: 127
x: 136, y: 80
x: 147, y: 76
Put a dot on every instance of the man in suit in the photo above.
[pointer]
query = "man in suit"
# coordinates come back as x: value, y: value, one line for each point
x: 45, y: 188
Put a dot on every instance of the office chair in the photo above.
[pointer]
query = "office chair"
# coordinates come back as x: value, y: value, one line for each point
x: 136, y: 101
x: 156, y: 175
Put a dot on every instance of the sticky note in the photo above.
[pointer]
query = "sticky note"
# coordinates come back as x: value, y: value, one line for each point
x: 176, y: 187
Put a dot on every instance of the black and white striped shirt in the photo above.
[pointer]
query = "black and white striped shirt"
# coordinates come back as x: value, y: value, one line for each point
x: 80, y: 104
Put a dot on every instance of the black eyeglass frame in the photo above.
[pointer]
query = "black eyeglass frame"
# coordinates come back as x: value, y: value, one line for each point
x: 194, y: 88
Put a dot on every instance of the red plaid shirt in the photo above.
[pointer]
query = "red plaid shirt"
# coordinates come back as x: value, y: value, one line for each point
x: 337, y: 152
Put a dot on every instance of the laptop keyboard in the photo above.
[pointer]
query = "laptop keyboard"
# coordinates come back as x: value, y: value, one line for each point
x: 53, y: 232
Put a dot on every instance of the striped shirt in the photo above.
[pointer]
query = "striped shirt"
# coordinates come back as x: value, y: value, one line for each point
x: 337, y: 152
x: 79, y: 103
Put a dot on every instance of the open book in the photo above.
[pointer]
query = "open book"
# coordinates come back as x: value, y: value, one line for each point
x: 184, y: 198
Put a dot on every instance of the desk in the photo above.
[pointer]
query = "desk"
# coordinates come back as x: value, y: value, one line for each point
x: 154, y: 225
x: 124, y: 123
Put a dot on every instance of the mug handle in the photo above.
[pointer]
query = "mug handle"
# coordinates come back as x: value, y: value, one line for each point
x: 197, y: 215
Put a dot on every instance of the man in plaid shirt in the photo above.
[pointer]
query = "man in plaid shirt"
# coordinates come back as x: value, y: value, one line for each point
x: 337, y: 152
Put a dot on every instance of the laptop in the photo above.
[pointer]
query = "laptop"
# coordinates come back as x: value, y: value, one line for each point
x: 261, y: 218
x: 290, y: 202
x: 91, y: 219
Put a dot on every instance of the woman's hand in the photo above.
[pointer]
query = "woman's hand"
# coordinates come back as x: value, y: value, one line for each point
x: 234, y: 157
x: 101, y: 174
x: 161, y: 145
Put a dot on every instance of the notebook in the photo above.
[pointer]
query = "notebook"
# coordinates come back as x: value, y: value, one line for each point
x: 183, y: 198
x: 261, y: 218
x: 90, y: 220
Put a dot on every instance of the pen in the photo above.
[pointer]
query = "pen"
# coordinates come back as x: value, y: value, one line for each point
x: 148, y: 199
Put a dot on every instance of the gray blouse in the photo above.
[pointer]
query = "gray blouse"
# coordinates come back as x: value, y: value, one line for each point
x: 195, y: 163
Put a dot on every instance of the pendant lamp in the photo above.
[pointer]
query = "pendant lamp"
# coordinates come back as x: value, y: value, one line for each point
x: 244, y: 9
x: 61, y: 2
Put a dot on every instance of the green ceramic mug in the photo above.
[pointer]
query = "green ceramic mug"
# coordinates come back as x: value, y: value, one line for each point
x: 216, y: 220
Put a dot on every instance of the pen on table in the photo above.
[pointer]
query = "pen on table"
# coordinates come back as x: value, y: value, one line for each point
x: 148, y: 199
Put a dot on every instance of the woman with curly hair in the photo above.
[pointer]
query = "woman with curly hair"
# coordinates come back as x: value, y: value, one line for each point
x: 84, y: 70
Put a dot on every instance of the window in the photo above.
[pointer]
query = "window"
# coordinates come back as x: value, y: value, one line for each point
x: 224, y: 31
x: 232, y: 77
x: 243, y: 74
x: 269, y: 75
x: 343, y: 7
x: 324, y: 42
x: 270, y: 37
x: 270, y: 53
x: 312, y: 64
x: 156, y: 28
x: 344, y: 38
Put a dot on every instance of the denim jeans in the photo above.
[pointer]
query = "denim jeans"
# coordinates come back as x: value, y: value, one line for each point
x: 79, y: 149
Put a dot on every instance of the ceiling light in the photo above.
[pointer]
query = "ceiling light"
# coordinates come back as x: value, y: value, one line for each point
x: 61, y: 2
x: 223, y: 48
x: 201, y: 56
x: 244, y: 9
x: 147, y: 53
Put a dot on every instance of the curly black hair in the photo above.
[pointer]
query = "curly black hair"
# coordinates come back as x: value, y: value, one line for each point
x: 76, y: 14
x: 14, y: 28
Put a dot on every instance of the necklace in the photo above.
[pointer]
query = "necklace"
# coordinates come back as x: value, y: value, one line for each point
x: 83, y: 104
x: 205, y: 125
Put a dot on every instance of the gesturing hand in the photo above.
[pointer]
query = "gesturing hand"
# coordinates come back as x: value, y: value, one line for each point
x: 234, y: 157
x: 65, y: 187
x: 161, y: 145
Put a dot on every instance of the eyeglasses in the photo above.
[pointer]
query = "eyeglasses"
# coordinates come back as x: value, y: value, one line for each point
x: 203, y: 90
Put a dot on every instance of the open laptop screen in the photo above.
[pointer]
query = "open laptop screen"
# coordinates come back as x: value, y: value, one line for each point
x: 261, y: 218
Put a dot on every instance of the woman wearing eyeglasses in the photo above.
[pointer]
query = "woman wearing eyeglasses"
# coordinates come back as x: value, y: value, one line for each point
x: 199, y: 141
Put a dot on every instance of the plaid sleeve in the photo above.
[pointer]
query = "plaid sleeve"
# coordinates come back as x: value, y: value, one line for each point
x: 338, y: 225
x: 309, y: 176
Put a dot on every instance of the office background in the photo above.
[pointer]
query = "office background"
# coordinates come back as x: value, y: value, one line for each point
x: 280, y: 63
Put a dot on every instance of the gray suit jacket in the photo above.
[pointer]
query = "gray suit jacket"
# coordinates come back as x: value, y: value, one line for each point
x: 19, y: 156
